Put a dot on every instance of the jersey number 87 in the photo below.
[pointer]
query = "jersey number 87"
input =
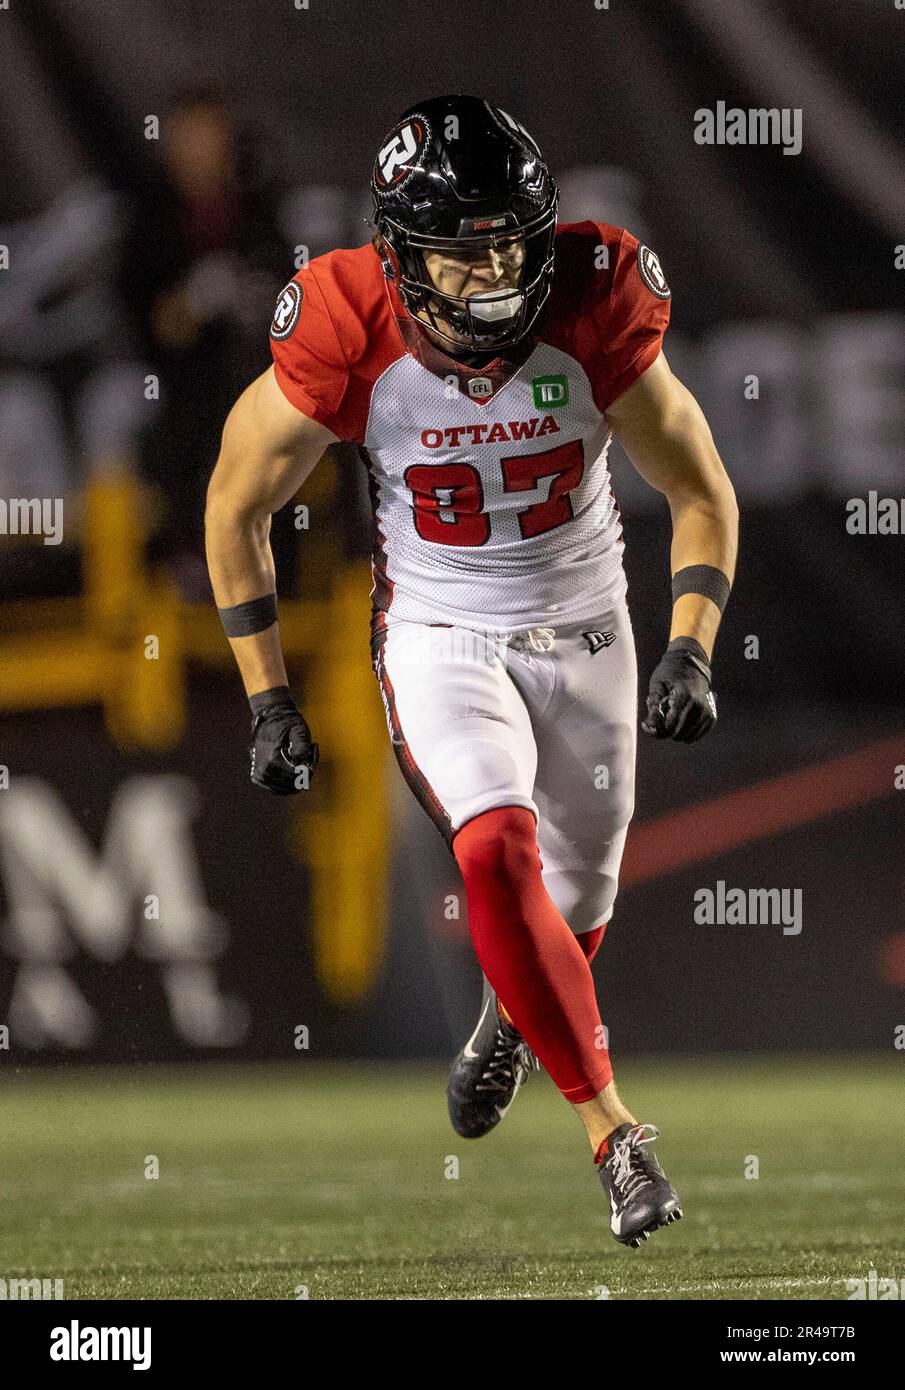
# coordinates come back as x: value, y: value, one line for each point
x: 455, y: 489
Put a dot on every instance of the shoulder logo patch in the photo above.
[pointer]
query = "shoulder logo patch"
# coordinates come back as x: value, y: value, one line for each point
x: 286, y: 314
x: 651, y: 273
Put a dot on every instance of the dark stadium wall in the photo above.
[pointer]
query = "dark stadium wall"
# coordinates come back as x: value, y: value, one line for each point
x: 785, y: 284
x: 151, y: 907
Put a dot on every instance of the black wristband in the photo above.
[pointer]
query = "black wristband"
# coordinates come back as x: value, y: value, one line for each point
x: 706, y: 580
x: 245, y: 619
x: 264, y: 699
x: 693, y: 647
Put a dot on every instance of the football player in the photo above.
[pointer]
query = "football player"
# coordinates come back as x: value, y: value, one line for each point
x: 481, y: 357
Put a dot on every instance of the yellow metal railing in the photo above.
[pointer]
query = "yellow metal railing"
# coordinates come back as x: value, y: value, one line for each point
x: 126, y: 645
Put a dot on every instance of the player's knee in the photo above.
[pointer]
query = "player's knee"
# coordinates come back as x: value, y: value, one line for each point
x: 501, y: 843
x: 583, y: 896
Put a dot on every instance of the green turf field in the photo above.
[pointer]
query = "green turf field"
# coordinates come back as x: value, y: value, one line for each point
x: 334, y: 1179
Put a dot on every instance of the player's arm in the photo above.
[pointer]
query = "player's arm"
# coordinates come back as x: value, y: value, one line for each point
x: 667, y: 439
x: 269, y: 448
x: 665, y: 435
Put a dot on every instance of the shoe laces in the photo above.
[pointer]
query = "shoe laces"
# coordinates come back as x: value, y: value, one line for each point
x: 508, y: 1066
x: 523, y: 1063
x: 630, y: 1163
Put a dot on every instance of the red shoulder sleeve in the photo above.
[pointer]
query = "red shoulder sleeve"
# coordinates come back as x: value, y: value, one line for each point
x: 310, y: 364
x: 631, y: 318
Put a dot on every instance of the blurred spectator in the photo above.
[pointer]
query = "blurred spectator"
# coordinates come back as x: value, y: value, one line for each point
x: 204, y: 263
x: 71, y: 392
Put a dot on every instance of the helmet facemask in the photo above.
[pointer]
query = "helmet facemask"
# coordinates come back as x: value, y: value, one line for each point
x: 486, y: 320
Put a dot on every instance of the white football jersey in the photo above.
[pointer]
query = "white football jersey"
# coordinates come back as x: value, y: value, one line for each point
x: 491, y: 493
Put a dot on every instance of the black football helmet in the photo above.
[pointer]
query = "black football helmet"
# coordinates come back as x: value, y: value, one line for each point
x: 458, y: 174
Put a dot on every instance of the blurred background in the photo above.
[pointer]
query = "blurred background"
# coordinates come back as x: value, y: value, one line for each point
x: 169, y: 166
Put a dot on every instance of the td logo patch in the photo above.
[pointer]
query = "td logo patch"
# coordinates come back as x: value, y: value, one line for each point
x: 651, y: 273
x: 286, y: 314
x: 550, y: 391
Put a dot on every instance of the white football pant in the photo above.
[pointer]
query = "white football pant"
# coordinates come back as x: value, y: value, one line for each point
x: 544, y: 719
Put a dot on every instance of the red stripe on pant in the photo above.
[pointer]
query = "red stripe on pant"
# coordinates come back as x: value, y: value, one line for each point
x: 410, y: 770
x: 528, y: 952
x: 589, y: 941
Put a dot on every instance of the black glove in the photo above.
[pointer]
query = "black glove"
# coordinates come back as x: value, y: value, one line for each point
x: 680, y: 703
x: 281, y: 746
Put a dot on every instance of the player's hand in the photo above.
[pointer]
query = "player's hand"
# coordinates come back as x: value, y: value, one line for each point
x: 283, y: 754
x: 680, y: 703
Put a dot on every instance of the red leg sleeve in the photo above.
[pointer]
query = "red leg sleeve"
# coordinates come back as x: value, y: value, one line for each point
x: 528, y: 952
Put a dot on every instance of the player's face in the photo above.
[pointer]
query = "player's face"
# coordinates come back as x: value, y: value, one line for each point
x: 474, y: 272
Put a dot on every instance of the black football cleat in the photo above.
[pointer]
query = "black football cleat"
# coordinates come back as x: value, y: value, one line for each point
x: 487, y: 1073
x: 641, y: 1198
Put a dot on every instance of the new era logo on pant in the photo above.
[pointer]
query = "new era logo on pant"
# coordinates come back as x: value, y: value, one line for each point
x: 596, y: 640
